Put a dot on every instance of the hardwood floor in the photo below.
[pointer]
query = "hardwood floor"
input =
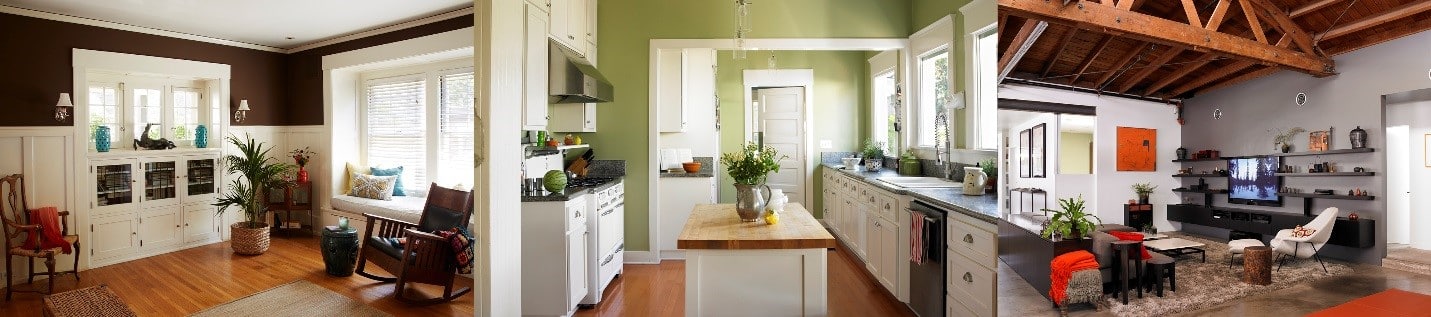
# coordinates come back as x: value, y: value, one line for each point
x: 660, y: 290
x: 184, y: 282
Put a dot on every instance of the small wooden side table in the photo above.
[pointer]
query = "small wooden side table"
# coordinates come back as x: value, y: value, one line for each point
x: 89, y: 301
x: 1257, y: 265
x: 292, y: 202
x: 1138, y: 216
x: 1124, y: 248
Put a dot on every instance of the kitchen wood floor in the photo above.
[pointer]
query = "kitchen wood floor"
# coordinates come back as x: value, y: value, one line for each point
x: 660, y: 290
x: 184, y: 282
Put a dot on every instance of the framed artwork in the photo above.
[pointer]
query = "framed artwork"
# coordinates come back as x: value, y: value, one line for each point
x: 1318, y: 141
x: 1024, y: 153
x: 1038, y: 151
x: 1137, y: 149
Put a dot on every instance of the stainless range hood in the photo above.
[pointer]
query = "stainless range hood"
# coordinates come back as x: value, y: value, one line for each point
x: 574, y: 80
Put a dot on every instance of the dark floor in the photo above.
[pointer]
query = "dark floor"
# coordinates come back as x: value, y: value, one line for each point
x: 1017, y: 298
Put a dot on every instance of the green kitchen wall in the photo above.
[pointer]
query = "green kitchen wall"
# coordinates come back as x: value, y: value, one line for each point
x: 626, y: 27
x: 839, y: 104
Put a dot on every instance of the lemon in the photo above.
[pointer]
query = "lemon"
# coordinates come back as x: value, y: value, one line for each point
x: 772, y: 218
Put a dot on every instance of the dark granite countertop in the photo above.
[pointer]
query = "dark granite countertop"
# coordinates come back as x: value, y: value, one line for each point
x: 707, y: 164
x: 570, y: 193
x: 985, y: 207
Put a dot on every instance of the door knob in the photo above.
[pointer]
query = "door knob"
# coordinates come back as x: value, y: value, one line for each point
x: 968, y: 238
x: 968, y: 277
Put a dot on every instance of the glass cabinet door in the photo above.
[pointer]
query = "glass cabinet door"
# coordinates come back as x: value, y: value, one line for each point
x: 114, y: 185
x: 160, y: 179
x: 200, y: 182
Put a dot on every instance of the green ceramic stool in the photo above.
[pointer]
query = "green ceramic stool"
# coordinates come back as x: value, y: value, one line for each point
x: 340, y: 250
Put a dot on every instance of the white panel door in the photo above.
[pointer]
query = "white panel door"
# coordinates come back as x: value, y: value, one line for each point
x: 113, y: 236
x: 781, y: 126
x: 160, y: 228
x: 200, y: 223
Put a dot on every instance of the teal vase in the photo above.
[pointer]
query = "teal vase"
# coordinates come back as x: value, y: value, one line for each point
x: 201, y: 137
x: 101, y: 139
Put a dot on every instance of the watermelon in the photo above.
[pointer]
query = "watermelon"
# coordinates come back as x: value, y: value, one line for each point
x: 554, y: 181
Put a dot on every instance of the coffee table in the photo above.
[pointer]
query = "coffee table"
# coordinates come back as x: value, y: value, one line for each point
x: 1154, y: 236
x: 1175, y: 247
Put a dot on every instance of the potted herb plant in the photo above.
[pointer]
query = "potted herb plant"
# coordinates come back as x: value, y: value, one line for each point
x: 1143, y: 190
x: 258, y: 173
x: 991, y: 169
x: 748, y: 168
x: 1071, y: 222
x: 874, y: 155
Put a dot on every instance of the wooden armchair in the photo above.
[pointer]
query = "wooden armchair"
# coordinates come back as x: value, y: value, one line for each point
x: 427, y: 258
x: 18, y: 228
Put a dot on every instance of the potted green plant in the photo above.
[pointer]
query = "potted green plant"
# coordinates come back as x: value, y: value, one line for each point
x: 257, y: 174
x: 1143, y: 190
x: 991, y: 168
x: 1071, y: 222
x: 909, y: 163
x: 748, y: 168
x: 874, y: 155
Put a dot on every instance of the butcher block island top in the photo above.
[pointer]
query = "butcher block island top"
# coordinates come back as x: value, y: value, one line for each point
x: 717, y: 227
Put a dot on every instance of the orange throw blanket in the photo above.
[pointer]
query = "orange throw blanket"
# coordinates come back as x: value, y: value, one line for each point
x: 50, y: 231
x: 1062, y: 268
x: 1132, y: 236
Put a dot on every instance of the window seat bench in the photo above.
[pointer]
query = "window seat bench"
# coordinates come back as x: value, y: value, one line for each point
x: 402, y: 208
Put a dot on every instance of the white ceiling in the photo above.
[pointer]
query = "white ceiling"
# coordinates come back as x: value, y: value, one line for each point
x: 262, y: 22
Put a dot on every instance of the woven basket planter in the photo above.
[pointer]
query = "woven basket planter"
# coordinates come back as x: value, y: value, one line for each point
x: 250, y: 241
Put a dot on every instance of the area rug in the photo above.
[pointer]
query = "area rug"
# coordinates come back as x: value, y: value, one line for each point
x: 1392, y: 302
x: 297, y: 298
x: 1202, y: 285
x: 1408, y: 260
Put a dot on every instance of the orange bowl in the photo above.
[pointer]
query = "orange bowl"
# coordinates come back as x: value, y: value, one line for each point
x: 691, y: 167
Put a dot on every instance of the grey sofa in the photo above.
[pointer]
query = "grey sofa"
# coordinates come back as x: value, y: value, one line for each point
x: 1103, y: 251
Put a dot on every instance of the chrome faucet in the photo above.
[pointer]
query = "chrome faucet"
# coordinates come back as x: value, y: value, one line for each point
x: 942, y: 150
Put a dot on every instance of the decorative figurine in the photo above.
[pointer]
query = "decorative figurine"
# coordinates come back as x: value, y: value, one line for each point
x: 1358, y: 138
x: 152, y: 144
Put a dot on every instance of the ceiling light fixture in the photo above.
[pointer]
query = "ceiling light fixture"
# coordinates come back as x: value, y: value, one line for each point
x: 742, y: 27
x: 62, y: 107
x: 242, y: 111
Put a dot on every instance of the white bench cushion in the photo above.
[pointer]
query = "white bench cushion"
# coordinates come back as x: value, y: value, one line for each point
x: 404, y: 208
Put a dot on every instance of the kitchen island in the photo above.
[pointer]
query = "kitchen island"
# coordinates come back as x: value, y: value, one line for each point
x: 736, y: 268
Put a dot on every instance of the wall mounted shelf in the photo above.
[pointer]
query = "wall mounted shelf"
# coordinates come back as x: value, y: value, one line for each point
x: 1327, y: 152
x: 1201, y: 160
x: 1326, y: 196
x: 1210, y: 191
x: 1327, y: 174
x: 1199, y: 175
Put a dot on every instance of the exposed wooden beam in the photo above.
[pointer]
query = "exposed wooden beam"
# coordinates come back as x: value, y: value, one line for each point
x: 1190, y: 9
x: 1252, y: 21
x: 1312, y: 7
x: 1181, y: 73
x: 1088, y: 59
x: 1130, y: 5
x: 1148, y: 70
x: 1058, y: 52
x: 1382, y: 35
x: 1218, y: 15
x: 1208, y: 77
x: 1240, y: 79
x: 1120, y: 65
x: 1289, y: 28
x: 1407, y: 10
x: 1154, y: 29
x: 1027, y: 36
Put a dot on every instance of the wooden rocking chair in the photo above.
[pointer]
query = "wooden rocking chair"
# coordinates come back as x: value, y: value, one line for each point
x: 426, y: 258
x: 18, y: 227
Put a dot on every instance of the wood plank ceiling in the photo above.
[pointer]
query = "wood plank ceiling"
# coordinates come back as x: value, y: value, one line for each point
x: 1176, y: 49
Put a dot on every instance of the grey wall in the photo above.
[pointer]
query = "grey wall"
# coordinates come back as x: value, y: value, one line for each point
x: 1352, y: 98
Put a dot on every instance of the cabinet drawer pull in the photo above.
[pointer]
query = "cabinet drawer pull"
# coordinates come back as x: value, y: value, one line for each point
x: 969, y: 278
x: 968, y: 238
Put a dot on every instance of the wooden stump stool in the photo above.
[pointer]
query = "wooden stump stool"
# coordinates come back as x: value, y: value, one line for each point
x: 1257, y: 265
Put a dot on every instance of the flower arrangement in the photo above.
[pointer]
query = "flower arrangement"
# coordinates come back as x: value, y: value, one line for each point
x: 1286, y: 136
x: 302, y: 156
x: 751, y: 164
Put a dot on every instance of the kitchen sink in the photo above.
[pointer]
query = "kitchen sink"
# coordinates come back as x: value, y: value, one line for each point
x: 919, y: 182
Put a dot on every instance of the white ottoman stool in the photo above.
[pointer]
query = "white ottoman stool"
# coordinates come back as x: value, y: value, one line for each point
x: 1235, y: 247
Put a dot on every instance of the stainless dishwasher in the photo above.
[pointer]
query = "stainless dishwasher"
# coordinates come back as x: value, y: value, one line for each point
x: 926, y: 291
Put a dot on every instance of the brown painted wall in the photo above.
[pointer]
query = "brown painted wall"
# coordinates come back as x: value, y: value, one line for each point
x: 35, y: 67
x: 305, y: 68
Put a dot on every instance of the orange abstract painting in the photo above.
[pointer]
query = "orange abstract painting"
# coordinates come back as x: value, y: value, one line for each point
x: 1137, y: 149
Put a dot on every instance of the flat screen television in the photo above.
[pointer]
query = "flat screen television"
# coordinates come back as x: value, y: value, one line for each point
x: 1254, y: 181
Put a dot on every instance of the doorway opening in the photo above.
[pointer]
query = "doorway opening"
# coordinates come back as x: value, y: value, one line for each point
x: 1408, y: 169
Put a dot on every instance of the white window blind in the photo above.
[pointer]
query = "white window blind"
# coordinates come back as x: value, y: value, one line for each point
x: 455, y: 141
x: 396, y: 127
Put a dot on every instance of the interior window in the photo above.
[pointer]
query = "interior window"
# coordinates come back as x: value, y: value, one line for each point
x: 933, y: 97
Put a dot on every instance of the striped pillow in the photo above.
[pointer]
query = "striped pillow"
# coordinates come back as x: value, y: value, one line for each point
x: 373, y: 187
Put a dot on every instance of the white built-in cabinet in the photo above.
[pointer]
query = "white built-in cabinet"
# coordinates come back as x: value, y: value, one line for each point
x: 690, y: 76
x: 554, y: 236
x: 573, y: 117
x: 873, y: 225
x: 572, y: 24
x: 535, y: 70
x: 143, y: 204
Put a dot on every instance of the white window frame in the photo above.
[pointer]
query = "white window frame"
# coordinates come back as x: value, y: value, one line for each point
x: 975, y: 107
x: 431, y: 74
x: 938, y: 36
x: 129, y: 125
x: 881, y: 65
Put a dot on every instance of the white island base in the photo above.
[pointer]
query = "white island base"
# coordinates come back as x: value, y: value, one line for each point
x: 785, y: 282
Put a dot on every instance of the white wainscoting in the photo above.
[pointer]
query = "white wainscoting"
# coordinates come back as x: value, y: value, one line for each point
x: 283, y: 139
x: 43, y: 155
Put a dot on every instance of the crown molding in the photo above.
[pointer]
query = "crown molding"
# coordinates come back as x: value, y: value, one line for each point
x: 386, y: 29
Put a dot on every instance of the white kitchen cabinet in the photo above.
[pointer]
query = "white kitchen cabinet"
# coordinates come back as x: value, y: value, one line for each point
x: 573, y: 117
x: 875, y: 248
x: 591, y: 14
x: 874, y: 224
x: 543, y: 5
x: 554, y: 243
x: 972, y: 260
x: 569, y: 24
x: 685, y: 84
x: 883, y: 259
x: 201, y: 223
x: 113, y: 237
x: 679, y: 196
x: 141, y: 203
x: 160, y: 228
x: 576, y: 265
x: 535, y: 69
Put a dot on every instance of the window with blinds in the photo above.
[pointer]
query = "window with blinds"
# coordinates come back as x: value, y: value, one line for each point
x: 396, y: 127
x: 456, y: 123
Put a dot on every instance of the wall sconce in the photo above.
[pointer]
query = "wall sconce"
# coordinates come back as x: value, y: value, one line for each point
x: 242, y: 111
x: 62, y: 107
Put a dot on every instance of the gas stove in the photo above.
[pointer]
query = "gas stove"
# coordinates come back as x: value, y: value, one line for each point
x: 587, y: 181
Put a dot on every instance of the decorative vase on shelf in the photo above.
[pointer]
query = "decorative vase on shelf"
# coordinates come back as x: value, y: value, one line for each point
x: 749, y: 203
x: 873, y: 165
x: 1143, y: 199
x: 1182, y: 153
x: 1358, y: 138
x: 1286, y: 148
x: 201, y: 137
x: 302, y: 174
x: 101, y: 139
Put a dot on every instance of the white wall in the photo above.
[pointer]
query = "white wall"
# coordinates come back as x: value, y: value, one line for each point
x: 1412, y: 111
x: 1048, y: 182
x: 1111, y: 188
x: 43, y: 155
x: 1344, y: 101
x: 498, y: 283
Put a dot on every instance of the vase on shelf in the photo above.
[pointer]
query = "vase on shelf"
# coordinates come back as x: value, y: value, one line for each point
x: 302, y: 174
x: 201, y: 137
x: 1182, y: 153
x: 1358, y: 138
x: 749, y: 204
x: 101, y: 139
x: 1286, y: 148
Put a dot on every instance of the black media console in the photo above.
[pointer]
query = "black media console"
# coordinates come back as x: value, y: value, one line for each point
x: 1349, y: 233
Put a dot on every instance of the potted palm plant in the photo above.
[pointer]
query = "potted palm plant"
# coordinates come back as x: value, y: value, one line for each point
x: 749, y: 168
x: 258, y: 173
x: 1143, y: 190
x: 1071, y: 221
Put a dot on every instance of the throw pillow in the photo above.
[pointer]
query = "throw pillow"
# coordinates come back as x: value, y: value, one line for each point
x: 1301, y: 232
x: 352, y: 169
x: 461, y: 242
x: 392, y: 171
x: 373, y: 187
